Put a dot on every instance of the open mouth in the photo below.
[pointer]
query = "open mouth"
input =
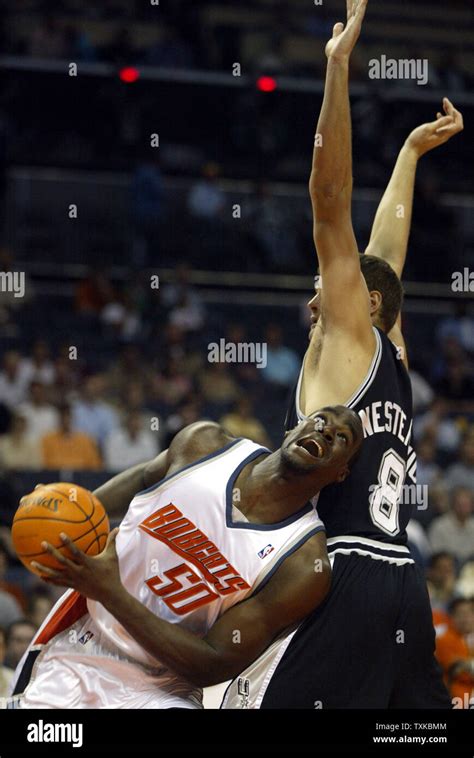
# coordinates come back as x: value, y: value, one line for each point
x: 313, y: 448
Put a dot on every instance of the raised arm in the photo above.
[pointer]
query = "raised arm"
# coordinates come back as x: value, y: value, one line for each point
x: 297, y: 587
x: 344, y: 297
x: 391, y: 229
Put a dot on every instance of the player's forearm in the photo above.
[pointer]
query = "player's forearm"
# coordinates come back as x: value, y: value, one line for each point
x: 391, y: 228
x: 331, y: 174
x: 173, y: 646
x: 117, y: 493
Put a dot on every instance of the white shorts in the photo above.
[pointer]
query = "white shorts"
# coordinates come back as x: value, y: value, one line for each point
x: 79, y: 669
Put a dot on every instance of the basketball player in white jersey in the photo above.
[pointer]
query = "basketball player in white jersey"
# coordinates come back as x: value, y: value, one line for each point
x: 217, y: 554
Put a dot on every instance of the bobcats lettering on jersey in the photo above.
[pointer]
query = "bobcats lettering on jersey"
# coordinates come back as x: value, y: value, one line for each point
x: 181, y: 535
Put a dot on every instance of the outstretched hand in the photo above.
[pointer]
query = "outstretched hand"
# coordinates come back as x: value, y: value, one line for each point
x: 428, y: 136
x: 94, y: 577
x: 344, y: 37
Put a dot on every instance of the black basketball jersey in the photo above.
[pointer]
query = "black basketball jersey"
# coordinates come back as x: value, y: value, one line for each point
x: 377, y: 498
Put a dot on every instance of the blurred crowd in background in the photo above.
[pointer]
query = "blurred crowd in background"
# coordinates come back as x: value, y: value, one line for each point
x: 64, y: 414
x: 100, y: 370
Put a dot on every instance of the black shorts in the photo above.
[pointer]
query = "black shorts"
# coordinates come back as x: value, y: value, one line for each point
x: 370, y: 645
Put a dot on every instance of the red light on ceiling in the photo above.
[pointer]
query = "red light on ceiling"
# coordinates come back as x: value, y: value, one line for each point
x: 129, y: 75
x: 266, y: 84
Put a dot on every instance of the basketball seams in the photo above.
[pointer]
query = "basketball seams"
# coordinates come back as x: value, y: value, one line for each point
x: 76, y: 502
x: 92, y: 499
x: 97, y: 539
x: 71, y: 507
x: 84, y: 534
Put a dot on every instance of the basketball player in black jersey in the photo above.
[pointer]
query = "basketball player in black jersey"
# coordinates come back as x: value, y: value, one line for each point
x: 371, y: 643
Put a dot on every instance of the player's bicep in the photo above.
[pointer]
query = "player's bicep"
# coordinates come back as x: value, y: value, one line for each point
x: 345, y: 300
x: 298, y: 586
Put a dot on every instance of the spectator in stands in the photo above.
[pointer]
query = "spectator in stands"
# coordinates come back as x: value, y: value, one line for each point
x: 13, y: 386
x: 5, y: 585
x: 175, y: 343
x: 172, y: 384
x: 91, y: 414
x: 42, y: 416
x: 147, y: 195
x: 6, y: 673
x: 441, y: 579
x: 18, y: 450
x: 10, y: 301
x: 40, y: 602
x: 122, y: 318
x: 39, y: 367
x: 429, y: 475
x: 247, y: 374
x: 187, y: 314
x: 183, y: 302
x: 454, y: 532
x: 459, y: 326
x: 65, y: 378
x: 455, y: 653
x: 465, y: 582
x: 206, y: 199
x: 10, y: 610
x: 94, y: 292
x: 68, y: 449
x: 130, y: 444
x: 456, y: 383
x: 283, y: 364
x: 217, y: 385
x: 461, y: 473
x: 241, y: 422
x: 427, y: 470
x: 188, y: 412
x: 436, y: 424
x: 19, y: 635
x: 449, y: 351
x: 172, y: 292
x: 272, y: 229
x: 133, y: 401
x: 130, y: 366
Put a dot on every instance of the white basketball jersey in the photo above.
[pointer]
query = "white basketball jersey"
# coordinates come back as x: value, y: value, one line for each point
x: 187, y: 553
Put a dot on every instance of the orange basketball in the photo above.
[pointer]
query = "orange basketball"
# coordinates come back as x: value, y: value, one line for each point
x: 54, y: 508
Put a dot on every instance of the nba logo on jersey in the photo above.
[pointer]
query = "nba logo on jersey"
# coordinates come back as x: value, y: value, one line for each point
x: 266, y: 551
x: 86, y: 637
